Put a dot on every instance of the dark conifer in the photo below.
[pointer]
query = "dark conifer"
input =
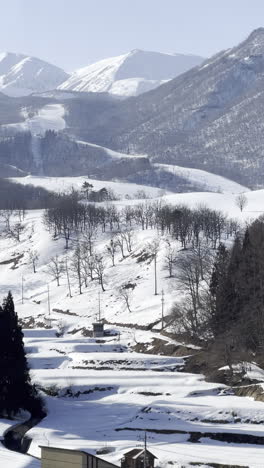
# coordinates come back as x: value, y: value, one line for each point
x: 217, y: 285
x: 16, y: 390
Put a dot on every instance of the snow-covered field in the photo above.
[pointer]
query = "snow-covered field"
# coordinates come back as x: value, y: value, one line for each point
x: 118, y: 400
x: 114, y: 392
x: 63, y: 184
x: 203, y: 179
x: 50, y: 117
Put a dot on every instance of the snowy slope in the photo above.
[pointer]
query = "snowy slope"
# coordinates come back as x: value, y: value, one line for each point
x: 62, y: 184
x: 21, y: 75
x: 117, y: 392
x: 198, y: 178
x: 130, y: 74
x: 49, y: 117
x: 209, y: 117
x: 203, y: 179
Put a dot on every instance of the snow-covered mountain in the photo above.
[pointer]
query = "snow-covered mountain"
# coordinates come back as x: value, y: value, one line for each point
x: 210, y: 117
x: 21, y: 75
x: 130, y: 74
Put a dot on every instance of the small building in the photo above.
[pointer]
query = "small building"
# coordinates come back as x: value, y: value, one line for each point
x: 135, y: 459
x: 98, y: 329
x: 53, y: 457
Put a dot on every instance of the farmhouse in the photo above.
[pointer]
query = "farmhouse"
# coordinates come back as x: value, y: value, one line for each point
x: 98, y: 329
x: 53, y: 457
x: 138, y: 458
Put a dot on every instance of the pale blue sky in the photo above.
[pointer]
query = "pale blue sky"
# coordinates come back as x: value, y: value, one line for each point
x: 74, y: 33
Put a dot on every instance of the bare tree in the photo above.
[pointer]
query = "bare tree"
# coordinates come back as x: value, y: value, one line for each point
x: 87, y: 264
x: 68, y: 275
x: 111, y: 250
x: 120, y: 242
x: 153, y: 249
x: 16, y: 231
x: 241, y: 201
x: 90, y: 261
x: 76, y: 266
x: 99, y: 269
x: 89, y: 237
x: 33, y: 256
x: 125, y: 292
x: 6, y: 216
x: 128, y: 236
x: 193, y: 273
x: 56, y: 268
x: 21, y: 213
x: 170, y: 257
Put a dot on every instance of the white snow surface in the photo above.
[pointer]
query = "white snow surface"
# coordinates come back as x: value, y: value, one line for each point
x: 62, y: 184
x: 49, y: 117
x: 134, y: 86
x: 203, y: 179
x: 113, y: 154
x: 112, y: 386
x: 199, y: 178
x: 97, y: 77
x: 21, y: 75
x: 130, y: 74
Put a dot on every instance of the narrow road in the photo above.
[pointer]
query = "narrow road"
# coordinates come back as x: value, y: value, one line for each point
x: 15, y: 438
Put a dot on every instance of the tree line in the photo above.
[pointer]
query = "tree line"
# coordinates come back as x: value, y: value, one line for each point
x: 15, y: 196
x: 224, y: 296
x: 69, y: 216
x: 80, y: 224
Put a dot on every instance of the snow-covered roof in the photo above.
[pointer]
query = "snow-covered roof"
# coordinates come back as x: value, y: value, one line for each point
x: 135, y: 453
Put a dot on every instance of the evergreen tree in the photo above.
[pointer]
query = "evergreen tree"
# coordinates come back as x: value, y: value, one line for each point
x: 237, y: 291
x: 217, y: 284
x: 251, y: 284
x: 16, y: 390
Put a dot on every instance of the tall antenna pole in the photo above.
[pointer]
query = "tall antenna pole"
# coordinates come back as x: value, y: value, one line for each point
x: 49, y: 304
x: 99, y: 306
x: 68, y: 278
x: 155, y: 273
x: 22, y: 289
x: 145, y: 450
x: 162, y: 309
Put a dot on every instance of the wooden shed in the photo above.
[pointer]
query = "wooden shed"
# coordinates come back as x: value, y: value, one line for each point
x: 135, y: 459
x: 53, y: 457
x: 98, y: 329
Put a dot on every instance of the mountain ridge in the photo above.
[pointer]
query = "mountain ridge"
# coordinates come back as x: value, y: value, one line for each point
x: 21, y: 74
x: 208, y: 118
x: 130, y: 74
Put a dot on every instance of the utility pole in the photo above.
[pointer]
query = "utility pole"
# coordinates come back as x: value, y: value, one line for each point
x: 145, y: 450
x: 162, y: 309
x: 67, y: 274
x: 49, y: 304
x: 22, y: 290
x: 99, y: 307
x: 155, y: 273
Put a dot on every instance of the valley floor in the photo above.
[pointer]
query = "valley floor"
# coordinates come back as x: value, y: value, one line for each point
x: 101, y: 393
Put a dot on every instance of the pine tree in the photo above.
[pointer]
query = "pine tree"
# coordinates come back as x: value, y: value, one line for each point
x: 251, y: 284
x: 218, y: 280
x: 225, y: 289
x: 16, y: 390
x: 230, y: 301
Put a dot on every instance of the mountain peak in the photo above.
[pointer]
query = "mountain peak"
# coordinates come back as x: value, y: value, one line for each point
x: 22, y: 74
x: 254, y: 43
x: 130, y: 74
x: 256, y: 32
